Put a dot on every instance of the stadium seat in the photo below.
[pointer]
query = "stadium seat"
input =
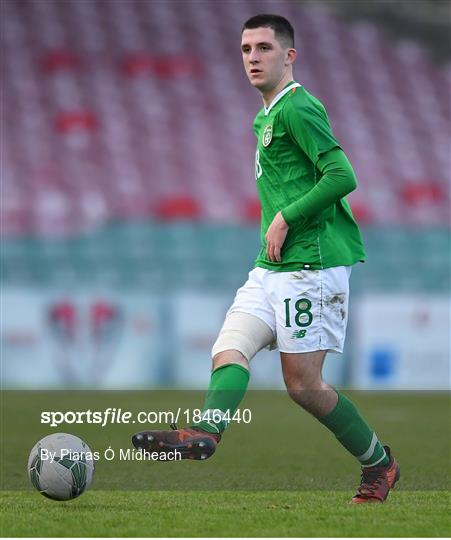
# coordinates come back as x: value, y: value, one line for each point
x: 60, y: 60
x: 183, y: 207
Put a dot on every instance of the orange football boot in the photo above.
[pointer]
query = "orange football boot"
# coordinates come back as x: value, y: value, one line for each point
x: 376, y: 482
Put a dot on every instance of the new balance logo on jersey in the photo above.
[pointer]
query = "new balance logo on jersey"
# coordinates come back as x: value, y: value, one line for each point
x: 297, y: 334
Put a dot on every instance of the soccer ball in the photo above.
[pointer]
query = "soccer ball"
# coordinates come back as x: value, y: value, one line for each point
x: 61, y: 466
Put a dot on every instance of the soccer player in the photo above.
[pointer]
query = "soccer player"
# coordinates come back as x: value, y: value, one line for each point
x: 296, y: 297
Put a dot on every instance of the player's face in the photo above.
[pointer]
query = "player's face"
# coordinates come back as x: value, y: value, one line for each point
x: 265, y: 60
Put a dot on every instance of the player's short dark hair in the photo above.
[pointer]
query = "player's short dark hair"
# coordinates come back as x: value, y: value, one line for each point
x: 283, y: 30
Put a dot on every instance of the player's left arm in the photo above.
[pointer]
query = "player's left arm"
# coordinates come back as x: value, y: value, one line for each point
x: 337, y: 180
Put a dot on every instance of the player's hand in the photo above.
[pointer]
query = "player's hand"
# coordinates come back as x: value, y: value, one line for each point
x: 275, y: 237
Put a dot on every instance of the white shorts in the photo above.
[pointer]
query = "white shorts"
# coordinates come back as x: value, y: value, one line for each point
x: 306, y: 310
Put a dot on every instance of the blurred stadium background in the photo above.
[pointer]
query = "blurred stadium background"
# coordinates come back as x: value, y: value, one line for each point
x: 128, y: 207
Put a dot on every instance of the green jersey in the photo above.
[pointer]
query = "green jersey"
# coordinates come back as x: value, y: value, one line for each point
x: 292, y: 135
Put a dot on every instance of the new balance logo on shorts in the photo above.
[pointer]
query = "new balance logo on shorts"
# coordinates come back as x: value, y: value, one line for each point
x: 298, y: 334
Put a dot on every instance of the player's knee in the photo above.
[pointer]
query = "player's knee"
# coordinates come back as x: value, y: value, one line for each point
x: 230, y: 356
x: 241, y: 333
x: 305, y: 397
x: 303, y: 390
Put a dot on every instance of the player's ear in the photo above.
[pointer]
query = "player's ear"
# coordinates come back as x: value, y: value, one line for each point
x: 290, y: 56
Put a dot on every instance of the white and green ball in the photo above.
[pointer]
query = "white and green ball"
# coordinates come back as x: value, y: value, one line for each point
x: 61, y: 466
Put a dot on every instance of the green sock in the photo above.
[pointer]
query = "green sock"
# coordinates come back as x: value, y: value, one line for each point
x: 228, y: 385
x: 354, y: 433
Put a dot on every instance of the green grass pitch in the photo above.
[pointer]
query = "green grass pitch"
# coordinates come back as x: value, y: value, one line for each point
x: 225, y: 513
x: 282, y: 475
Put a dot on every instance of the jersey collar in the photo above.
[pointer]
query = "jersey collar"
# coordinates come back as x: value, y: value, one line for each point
x: 280, y: 96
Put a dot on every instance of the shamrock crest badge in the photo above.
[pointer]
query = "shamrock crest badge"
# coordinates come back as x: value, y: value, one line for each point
x: 267, y: 135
